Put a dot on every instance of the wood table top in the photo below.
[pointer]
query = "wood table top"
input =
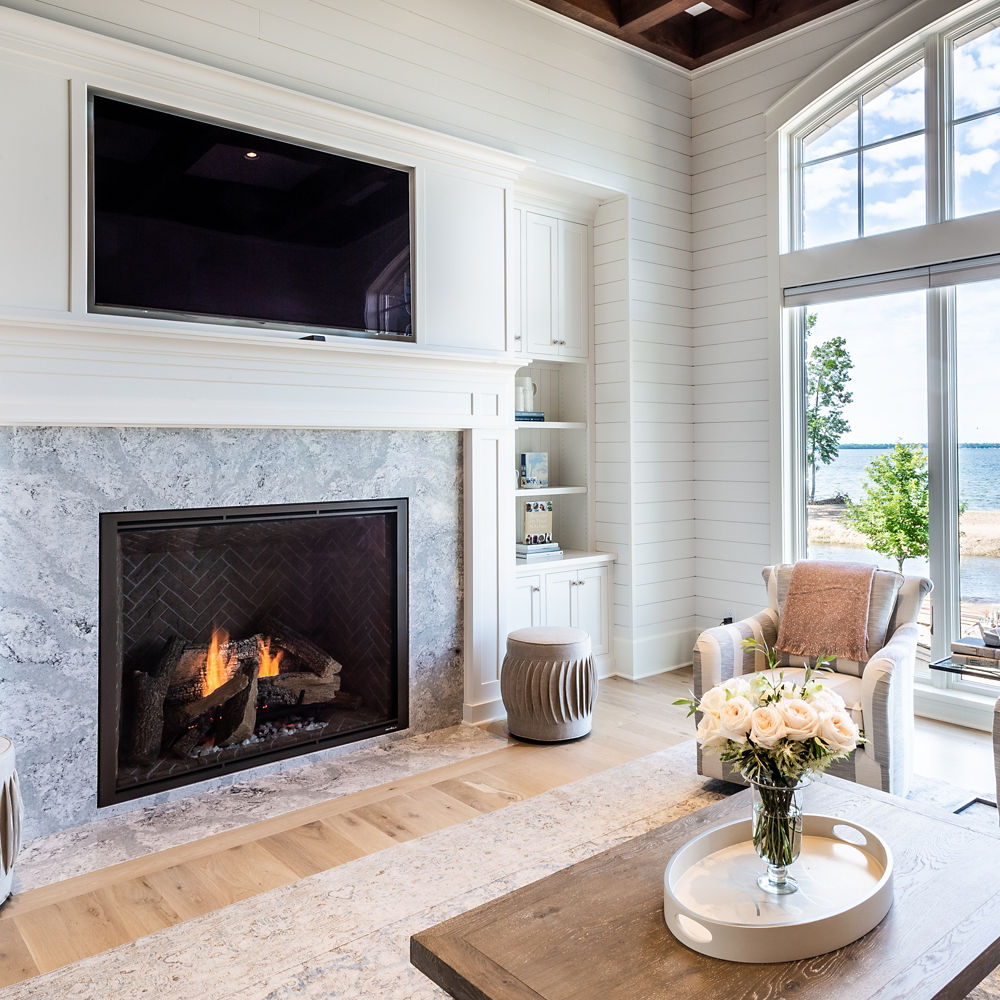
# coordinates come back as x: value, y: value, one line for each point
x: 595, y: 930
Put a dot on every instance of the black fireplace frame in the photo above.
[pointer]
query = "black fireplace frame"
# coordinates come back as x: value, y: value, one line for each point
x: 110, y: 637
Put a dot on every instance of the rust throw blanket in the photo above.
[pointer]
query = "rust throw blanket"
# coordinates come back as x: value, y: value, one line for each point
x: 826, y: 610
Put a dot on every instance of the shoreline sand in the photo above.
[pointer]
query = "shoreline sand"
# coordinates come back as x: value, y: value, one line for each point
x: 980, y: 530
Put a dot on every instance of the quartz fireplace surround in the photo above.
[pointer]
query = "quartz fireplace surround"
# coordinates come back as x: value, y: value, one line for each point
x: 235, y: 636
x: 56, y: 482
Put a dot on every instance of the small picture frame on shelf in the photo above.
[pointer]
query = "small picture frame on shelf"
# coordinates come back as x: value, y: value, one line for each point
x: 534, y: 470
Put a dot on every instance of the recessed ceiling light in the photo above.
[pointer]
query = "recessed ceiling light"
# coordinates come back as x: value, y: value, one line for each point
x: 251, y: 155
x: 698, y: 8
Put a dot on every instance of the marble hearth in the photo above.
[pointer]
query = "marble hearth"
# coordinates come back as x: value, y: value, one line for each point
x: 55, y: 481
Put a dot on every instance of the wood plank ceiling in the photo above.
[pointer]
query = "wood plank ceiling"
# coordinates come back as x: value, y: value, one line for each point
x: 717, y: 28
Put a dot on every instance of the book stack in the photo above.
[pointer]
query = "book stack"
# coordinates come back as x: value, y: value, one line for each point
x: 538, y: 552
x: 529, y: 415
x: 973, y: 652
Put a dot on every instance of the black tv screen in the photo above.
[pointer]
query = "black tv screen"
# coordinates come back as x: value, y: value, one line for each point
x: 199, y: 220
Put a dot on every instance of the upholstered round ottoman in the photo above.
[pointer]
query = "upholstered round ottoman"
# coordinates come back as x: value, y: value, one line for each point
x: 548, y: 684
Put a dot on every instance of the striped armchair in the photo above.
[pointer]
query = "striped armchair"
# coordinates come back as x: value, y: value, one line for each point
x: 878, y: 690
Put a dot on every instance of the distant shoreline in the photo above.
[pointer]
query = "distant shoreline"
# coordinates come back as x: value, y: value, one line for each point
x: 980, y: 529
x: 892, y: 444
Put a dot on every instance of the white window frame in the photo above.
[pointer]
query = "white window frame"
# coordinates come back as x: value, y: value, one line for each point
x: 905, y: 258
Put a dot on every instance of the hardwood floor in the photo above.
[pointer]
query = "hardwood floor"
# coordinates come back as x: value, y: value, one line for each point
x: 52, y: 926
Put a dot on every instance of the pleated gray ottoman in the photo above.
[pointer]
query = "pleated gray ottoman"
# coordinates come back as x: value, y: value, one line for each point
x: 548, y: 684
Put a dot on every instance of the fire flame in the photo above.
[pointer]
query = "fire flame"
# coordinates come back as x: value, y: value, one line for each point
x: 268, y: 663
x: 218, y: 667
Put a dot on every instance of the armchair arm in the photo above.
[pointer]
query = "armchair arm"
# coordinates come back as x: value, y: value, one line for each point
x: 887, y: 701
x: 719, y: 654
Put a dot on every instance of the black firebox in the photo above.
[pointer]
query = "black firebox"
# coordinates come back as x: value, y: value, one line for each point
x: 231, y: 637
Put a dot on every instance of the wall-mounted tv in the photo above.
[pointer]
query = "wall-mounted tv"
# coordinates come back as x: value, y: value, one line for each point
x: 200, y: 220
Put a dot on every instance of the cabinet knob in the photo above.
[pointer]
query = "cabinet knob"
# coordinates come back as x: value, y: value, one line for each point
x: 536, y: 590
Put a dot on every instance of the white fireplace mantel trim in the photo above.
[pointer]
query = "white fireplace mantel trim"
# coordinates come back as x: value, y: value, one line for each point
x: 64, y: 371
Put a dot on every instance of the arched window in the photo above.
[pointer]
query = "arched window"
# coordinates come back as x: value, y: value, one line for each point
x: 890, y: 272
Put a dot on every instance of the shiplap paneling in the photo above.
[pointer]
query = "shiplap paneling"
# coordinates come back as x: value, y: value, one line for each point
x: 732, y: 335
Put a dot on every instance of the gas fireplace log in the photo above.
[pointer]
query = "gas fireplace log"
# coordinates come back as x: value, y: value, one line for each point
x: 189, y: 738
x: 182, y: 716
x: 149, y: 692
x: 296, y: 688
x: 239, y: 715
x: 317, y: 660
x: 187, y: 680
x: 271, y: 696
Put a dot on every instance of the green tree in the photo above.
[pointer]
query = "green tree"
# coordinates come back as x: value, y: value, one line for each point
x: 894, y: 514
x: 828, y: 370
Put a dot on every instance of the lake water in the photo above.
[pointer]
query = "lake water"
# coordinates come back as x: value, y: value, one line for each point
x: 979, y: 475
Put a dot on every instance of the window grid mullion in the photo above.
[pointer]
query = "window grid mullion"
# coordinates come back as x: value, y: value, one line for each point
x: 861, y: 171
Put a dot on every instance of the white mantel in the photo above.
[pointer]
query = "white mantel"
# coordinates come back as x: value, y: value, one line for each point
x: 60, y: 365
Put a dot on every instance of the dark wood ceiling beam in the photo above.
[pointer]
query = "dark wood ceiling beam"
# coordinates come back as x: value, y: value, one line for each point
x: 738, y: 10
x: 641, y: 15
x: 719, y: 35
x: 662, y: 28
x: 600, y: 14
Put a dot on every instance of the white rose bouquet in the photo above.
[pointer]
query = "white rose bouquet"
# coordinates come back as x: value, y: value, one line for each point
x: 774, y: 731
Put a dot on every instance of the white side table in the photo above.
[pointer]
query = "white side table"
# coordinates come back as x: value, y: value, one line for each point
x: 11, y: 811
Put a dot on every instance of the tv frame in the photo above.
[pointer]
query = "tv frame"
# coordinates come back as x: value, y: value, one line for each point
x: 308, y: 331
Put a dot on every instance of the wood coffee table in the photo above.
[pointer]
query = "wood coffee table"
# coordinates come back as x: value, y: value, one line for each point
x: 595, y: 930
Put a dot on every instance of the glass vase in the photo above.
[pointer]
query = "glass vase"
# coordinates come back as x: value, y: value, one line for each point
x: 777, y: 832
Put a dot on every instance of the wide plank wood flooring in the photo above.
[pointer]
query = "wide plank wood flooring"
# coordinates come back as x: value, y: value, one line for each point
x: 62, y: 923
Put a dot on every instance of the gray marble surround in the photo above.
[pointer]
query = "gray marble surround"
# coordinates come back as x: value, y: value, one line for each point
x: 54, y: 481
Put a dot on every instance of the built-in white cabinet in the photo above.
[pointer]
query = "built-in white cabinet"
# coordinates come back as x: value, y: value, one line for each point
x: 550, y: 279
x: 554, y: 286
x: 528, y: 607
x: 574, y: 594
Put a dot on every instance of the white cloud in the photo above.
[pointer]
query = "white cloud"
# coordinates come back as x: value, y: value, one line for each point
x: 912, y: 174
x: 983, y: 162
x: 829, y: 182
x: 981, y: 134
x: 899, y: 212
x: 896, y: 110
x: 977, y: 74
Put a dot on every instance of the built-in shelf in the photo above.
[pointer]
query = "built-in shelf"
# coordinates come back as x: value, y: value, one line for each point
x: 550, y: 425
x: 551, y: 491
x: 570, y: 558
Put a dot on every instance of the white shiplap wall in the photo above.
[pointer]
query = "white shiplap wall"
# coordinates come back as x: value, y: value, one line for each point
x: 513, y: 76
x: 733, y: 329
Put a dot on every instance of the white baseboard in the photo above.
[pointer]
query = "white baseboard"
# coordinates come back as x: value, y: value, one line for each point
x: 486, y: 711
x: 655, y: 654
x: 960, y: 708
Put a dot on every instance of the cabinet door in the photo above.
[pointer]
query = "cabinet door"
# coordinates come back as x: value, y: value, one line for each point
x: 540, y: 255
x: 560, y: 598
x: 526, y: 609
x: 592, y: 607
x: 573, y: 290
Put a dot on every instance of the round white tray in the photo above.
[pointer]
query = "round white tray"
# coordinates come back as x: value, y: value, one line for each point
x: 712, y: 904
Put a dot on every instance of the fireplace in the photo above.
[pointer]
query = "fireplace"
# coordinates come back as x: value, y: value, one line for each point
x: 232, y: 637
